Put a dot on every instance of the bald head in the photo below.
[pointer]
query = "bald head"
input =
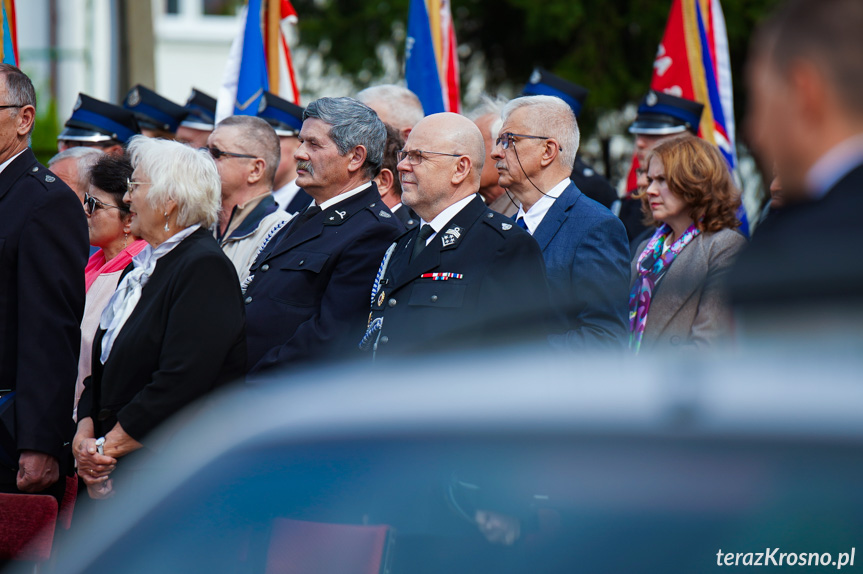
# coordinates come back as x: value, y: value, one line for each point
x: 454, y: 131
x: 447, y: 176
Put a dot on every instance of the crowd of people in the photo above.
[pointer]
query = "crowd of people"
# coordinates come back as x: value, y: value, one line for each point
x: 357, y: 228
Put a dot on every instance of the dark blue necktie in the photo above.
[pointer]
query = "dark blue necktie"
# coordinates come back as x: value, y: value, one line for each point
x: 423, y: 235
x: 520, y: 222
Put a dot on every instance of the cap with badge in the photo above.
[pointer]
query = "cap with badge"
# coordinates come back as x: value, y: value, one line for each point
x: 95, y: 121
x: 285, y: 117
x: 200, y: 111
x: 153, y: 111
x: 544, y: 83
x: 662, y: 114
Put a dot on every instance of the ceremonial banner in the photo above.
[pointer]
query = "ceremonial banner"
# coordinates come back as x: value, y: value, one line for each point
x: 431, y: 59
x: 9, y: 45
x: 693, y: 63
x: 260, y: 59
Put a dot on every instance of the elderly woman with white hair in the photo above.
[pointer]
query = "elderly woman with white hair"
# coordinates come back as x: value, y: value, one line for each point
x: 174, y: 329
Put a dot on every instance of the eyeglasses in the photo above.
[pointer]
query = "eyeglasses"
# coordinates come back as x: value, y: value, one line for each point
x: 12, y: 106
x: 130, y: 185
x: 507, y: 139
x: 217, y: 153
x: 91, y: 204
x: 416, y: 157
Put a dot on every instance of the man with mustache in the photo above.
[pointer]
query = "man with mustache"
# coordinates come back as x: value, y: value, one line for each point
x: 307, y: 291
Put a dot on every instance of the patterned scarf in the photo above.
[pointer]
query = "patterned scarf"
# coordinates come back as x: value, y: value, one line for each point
x: 651, y: 266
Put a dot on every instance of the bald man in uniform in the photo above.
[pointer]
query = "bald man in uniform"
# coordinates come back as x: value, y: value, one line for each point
x: 466, y: 276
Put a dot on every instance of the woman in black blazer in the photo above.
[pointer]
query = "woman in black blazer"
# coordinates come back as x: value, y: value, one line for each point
x: 175, y: 328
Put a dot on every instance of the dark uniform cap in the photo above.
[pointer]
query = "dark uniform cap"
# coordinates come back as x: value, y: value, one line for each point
x: 200, y: 111
x: 95, y: 121
x: 154, y: 111
x: 663, y: 114
x: 285, y: 117
x: 544, y: 83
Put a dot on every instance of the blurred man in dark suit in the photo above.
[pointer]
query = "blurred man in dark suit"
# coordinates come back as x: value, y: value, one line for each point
x: 805, y: 81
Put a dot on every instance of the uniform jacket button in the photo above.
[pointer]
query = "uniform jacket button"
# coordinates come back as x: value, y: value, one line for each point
x: 385, y: 340
x: 265, y: 267
x: 434, y: 298
x: 248, y: 300
x: 392, y: 303
x: 302, y: 261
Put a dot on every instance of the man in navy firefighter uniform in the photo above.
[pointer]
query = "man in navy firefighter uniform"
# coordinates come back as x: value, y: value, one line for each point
x: 307, y: 293
x: 466, y: 276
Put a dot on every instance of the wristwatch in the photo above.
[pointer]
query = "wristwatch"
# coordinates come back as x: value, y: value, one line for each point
x: 100, y: 445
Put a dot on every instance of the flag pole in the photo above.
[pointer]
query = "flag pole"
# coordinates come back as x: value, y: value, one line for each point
x: 274, y: 18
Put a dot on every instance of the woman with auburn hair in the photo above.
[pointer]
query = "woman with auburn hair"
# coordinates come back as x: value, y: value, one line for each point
x: 676, y: 294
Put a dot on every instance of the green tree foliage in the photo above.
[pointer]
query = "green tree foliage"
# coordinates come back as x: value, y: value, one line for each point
x: 607, y: 46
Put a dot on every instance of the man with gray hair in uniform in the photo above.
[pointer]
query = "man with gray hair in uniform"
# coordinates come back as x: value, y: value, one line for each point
x: 307, y: 297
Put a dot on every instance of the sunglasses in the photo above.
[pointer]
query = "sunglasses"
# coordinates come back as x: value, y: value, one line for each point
x: 217, y: 153
x: 91, y: 204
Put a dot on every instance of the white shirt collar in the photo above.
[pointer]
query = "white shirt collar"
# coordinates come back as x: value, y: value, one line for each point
x: 538, y: 210
x: 396, y: 207
x: 445, y: 216
x: 285, y: 194
x: 6, y: 163
x: 834, y: 165
x: 343, y: 196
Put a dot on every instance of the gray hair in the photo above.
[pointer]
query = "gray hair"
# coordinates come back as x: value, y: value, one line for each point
x: 258, y: 138
x: 86, y: 156
x: 19, y: 88
x: 552, y: 118
x: 352, y: 124
x: 178, y: 172
x: 403, y: 107
x: 486, y: 106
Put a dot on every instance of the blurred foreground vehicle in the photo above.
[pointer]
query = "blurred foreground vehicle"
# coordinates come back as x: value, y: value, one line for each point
x: 516, y: 462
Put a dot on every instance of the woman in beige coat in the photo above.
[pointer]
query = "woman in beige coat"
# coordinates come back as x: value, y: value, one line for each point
x: 676, y: 291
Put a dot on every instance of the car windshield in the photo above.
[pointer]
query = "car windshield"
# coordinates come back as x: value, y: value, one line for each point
x: 536, y: 503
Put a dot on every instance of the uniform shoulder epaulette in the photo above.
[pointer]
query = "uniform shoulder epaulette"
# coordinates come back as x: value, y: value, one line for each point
x: 379, y: 209
x: 44, y: 176
x: 500, y: 223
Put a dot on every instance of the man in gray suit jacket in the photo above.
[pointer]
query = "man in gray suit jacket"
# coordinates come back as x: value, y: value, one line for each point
x: 584, y: 245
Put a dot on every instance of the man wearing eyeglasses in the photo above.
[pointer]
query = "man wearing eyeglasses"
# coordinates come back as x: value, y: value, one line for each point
x: 467, y: 276
x: 246, y: 150
x: 43, y: 251
x: 584, y: 245
x: 307, y: 292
